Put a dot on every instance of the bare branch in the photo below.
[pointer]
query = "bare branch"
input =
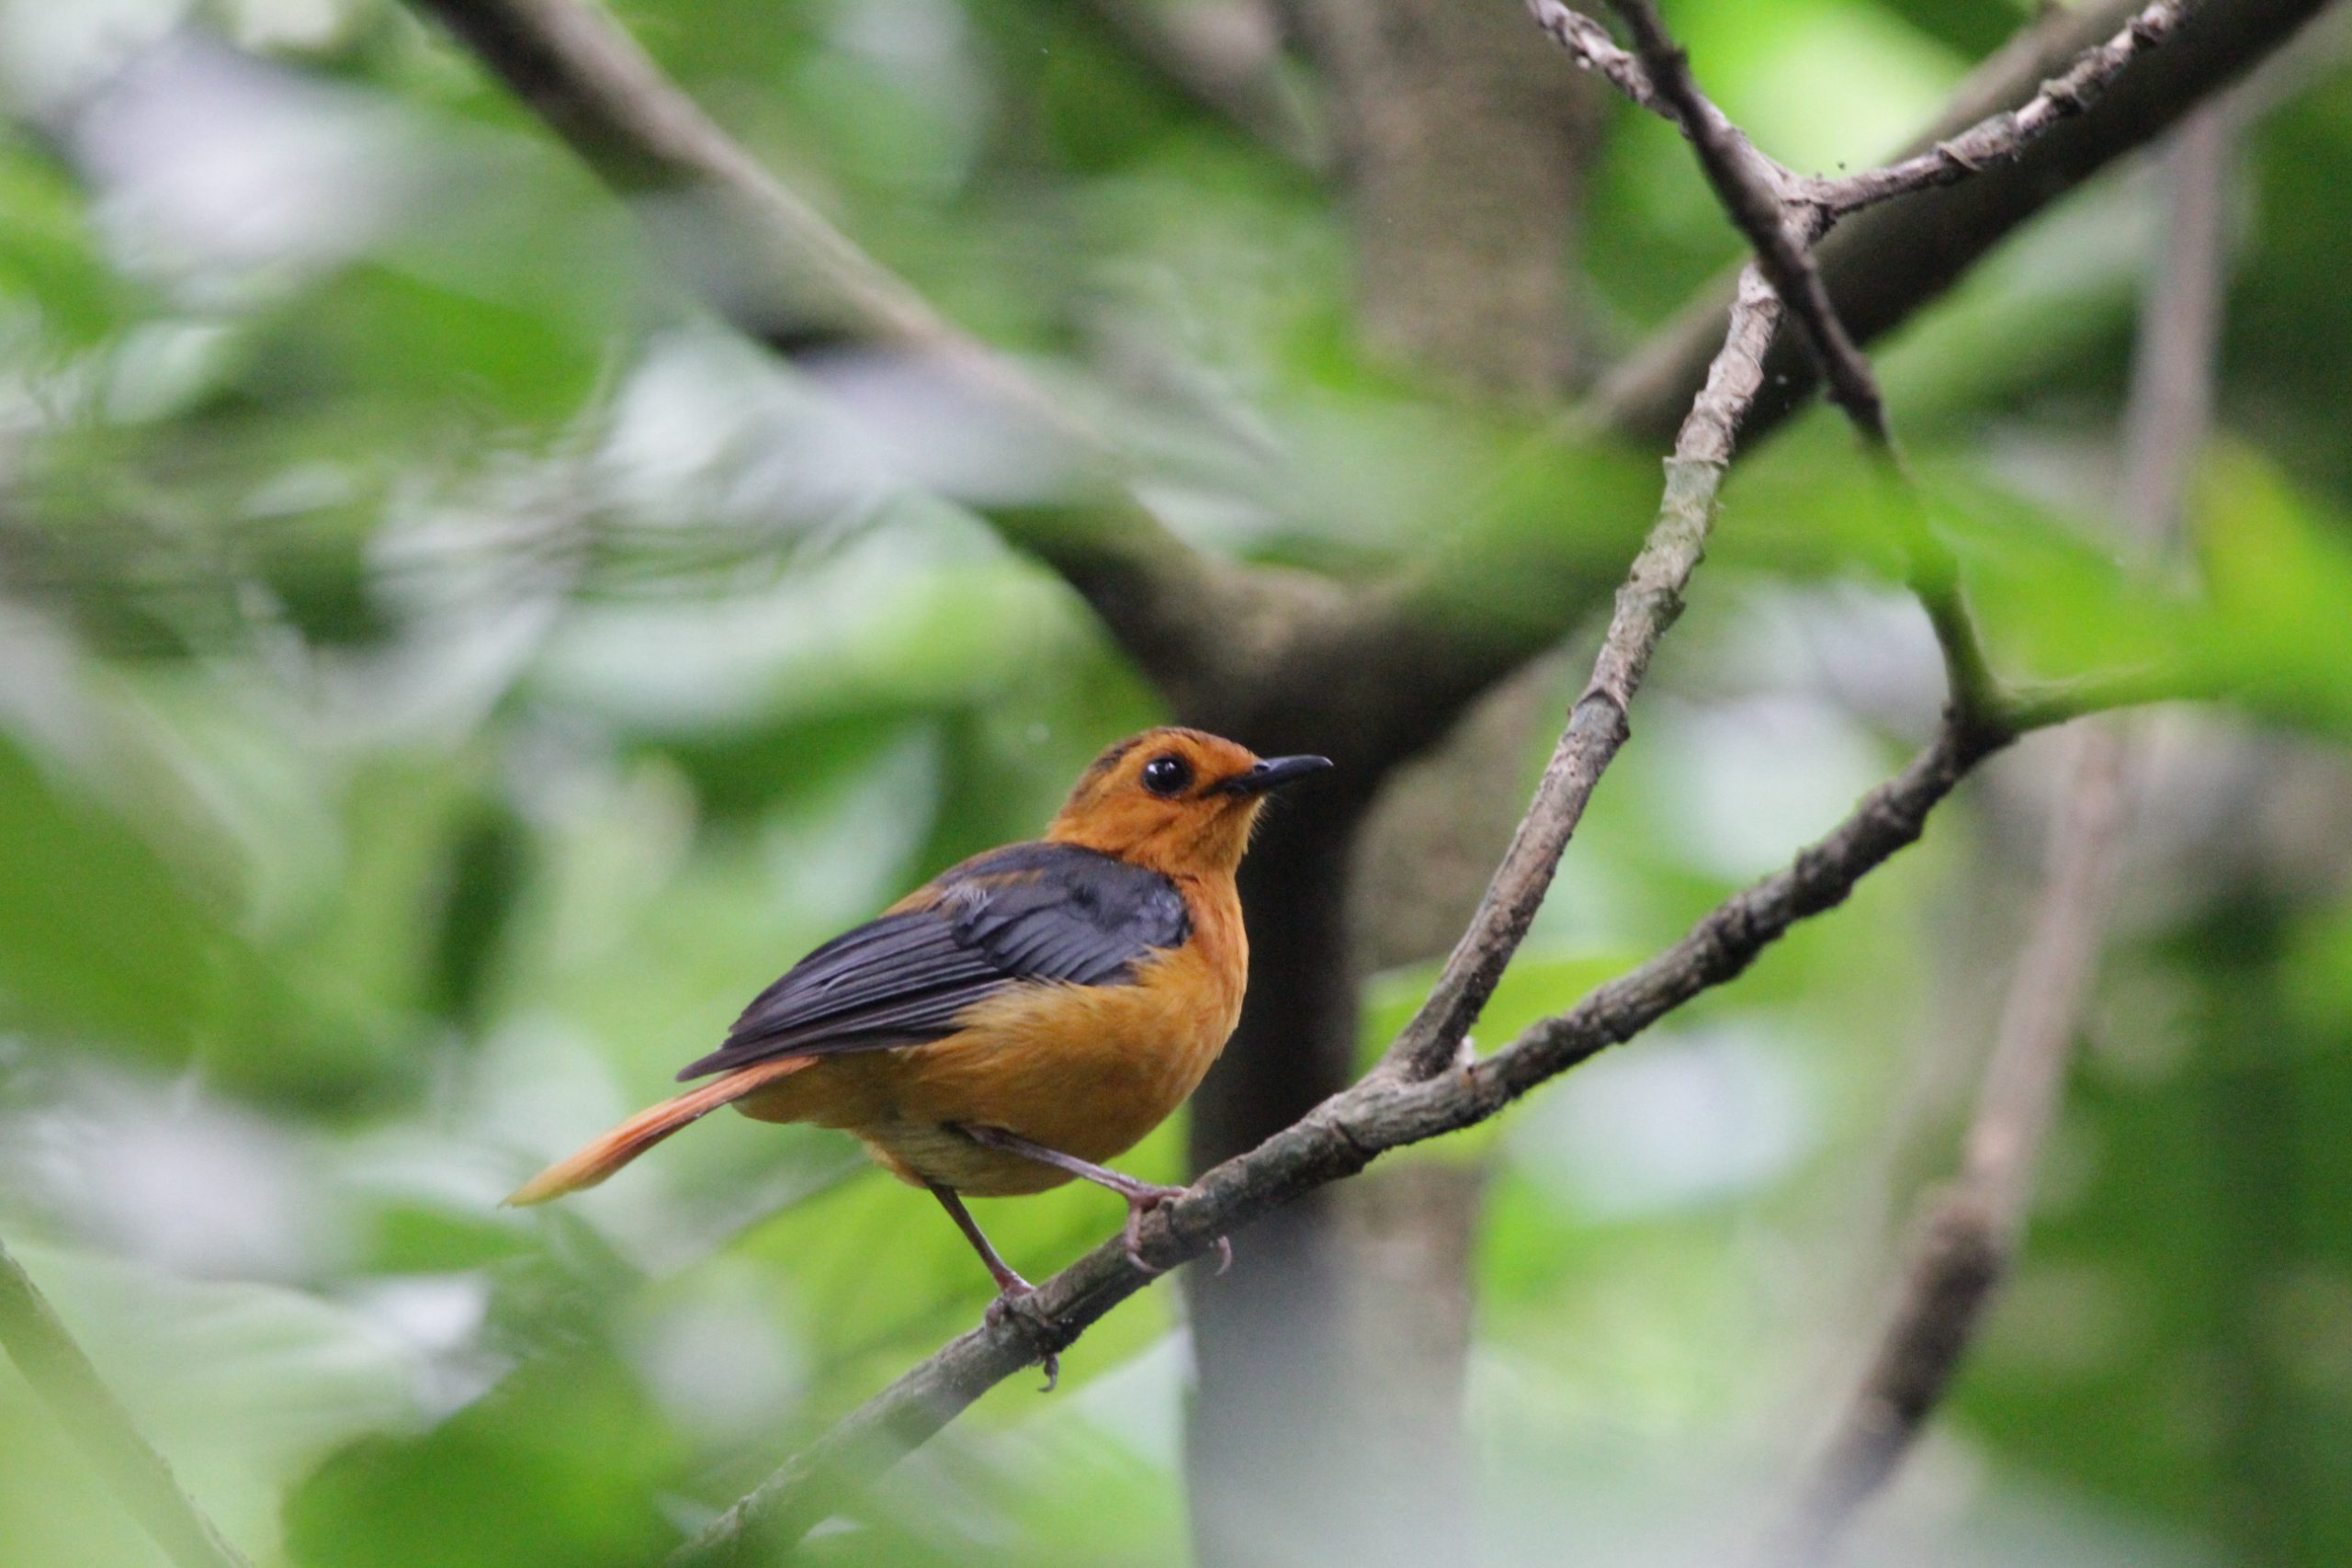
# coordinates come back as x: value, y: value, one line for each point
x: 1783, y: 222
x: 1973, y: 1233
x: 1969, y: 1237
x: 1884, y: 265
x: 1446, y: 627
x: 1589, y: 45
x: 1384, y: 1112
x: 1652, y: 596
x: 1415, y: 1096
x: 2002, y: 138
x: 55, y: 1367
x: 1598, y: 726
x: 1423, y: 1089
x: 770, y: 266
x: 1779, y: 225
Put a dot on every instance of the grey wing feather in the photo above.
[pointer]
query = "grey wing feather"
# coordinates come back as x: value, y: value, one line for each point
x: 1030, y: 914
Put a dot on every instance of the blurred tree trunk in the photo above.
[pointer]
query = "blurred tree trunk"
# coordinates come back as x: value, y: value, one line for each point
x: 1294, y: 1455
x: 1408, y: 1230
x: 1463, y: 156
x: 1464, y: 150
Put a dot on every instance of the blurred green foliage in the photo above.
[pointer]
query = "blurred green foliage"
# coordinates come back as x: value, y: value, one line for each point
x: 442, y: 675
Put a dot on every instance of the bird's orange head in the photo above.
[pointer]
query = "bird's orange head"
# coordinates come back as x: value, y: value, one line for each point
x: 1182, y: 801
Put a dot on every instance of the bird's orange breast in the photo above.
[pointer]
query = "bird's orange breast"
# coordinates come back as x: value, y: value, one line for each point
x: 1087, y: 1070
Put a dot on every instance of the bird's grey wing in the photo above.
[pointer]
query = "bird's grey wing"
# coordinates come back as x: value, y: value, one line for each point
x: 1030, y: 914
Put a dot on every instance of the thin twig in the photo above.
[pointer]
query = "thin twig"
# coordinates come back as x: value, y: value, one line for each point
x: 53, y: 1365
x: 1972, y: 1234
x: 2002, y: 138
x: 1598, y: 726
x: 1882, y: 265
x: 1966, y: 1242
x: 1652, y: 595
x: 1647, y: 604
x: 1882, y: 268
x: 1339, y: 1138
x: 1779, y: 228
x: 1589, y: 45
x: 1426, y: 1088
x: 1782, y: 220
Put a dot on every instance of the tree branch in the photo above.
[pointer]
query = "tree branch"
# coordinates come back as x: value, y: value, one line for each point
x: 1423, y: 1088
x: 44, y: 1351
x: 2002, y: 138
x: 1589, y: 45
x: 1752, y: 187
x: 1885, y: 264
x: 1771, y: 209
x: 1598, y: 725
x: 1784, y: 219
x: 1784, y: 215
x: 1880, y: 266
x: 770, y: 266
x: 1972, y: 1235
x: 1385, y: 1110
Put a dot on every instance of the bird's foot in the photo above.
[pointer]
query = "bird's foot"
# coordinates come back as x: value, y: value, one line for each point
x: 1016, y: 1297
x: 1142, y: 1202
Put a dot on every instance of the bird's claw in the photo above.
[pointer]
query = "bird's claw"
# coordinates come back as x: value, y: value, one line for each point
x: 1142, y: 1203
x: 1015, y: 1298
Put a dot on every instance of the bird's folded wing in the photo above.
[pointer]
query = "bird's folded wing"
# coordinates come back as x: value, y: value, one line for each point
x: 1030, y: 914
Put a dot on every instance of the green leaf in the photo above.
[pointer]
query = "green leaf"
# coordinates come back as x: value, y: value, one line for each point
x: 379, y: 330
x: 560, y: 1466
x: 48, y: 255
x: 2280, y: 568
x: 242, y: 1387
x: 99, y: 938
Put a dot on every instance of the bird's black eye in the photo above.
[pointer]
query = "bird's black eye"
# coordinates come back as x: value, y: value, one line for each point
x: 1167, y: 776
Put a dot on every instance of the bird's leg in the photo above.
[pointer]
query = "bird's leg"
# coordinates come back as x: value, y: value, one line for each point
x: 1012, y: 1291
x: 1142, y: 1197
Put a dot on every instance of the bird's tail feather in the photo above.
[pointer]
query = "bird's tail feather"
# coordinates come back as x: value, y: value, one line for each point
x: 606, y: 1155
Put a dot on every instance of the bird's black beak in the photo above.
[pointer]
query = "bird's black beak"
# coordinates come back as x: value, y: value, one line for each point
x: 1273, y: 773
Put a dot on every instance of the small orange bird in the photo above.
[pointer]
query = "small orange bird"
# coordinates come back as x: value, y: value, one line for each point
x: 1023, y: 1016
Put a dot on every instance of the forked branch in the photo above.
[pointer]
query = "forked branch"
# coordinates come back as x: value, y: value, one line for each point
x: 1884, y: 265
x: 1972, y: 1234
x: 1428, y: 1084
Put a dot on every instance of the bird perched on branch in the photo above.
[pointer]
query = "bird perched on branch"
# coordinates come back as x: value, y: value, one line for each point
x: 1023, y: 1016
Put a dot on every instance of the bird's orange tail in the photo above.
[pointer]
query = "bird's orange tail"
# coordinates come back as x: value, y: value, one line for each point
x: 648, y: 1127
